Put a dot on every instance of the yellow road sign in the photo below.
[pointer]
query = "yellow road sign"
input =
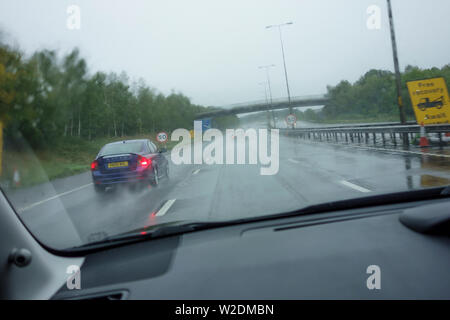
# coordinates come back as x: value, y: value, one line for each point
x: 430, y: 100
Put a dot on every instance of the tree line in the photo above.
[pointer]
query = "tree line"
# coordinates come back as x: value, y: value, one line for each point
x: 373, y: 96
x: 46, y: 98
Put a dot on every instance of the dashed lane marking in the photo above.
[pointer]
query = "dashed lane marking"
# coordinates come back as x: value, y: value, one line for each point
x: 354, y: 186
x: 165, y: 207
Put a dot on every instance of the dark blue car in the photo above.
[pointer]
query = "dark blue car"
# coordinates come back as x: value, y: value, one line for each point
x: 129, y: 162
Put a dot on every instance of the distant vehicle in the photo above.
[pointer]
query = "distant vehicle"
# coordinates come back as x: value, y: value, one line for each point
x: 128, y: 162
x: 426, y: 103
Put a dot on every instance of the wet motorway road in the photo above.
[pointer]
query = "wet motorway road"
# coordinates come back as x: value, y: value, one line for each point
x: 68, y: 212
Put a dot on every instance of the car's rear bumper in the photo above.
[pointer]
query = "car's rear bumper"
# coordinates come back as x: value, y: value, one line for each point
x: 121, y: 178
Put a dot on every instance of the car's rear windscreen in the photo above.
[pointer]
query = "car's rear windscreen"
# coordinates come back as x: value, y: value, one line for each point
x: 127, y: 147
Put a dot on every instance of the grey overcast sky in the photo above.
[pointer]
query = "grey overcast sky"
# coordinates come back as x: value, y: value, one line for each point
x: 210, y: 50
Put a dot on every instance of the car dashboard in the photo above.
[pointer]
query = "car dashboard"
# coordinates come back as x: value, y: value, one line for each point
x: 319, y: 256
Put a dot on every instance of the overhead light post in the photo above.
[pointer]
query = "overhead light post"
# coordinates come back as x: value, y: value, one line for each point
x: 267, y: 102
x: 265, y: 91
x: 284, y: 59
x: 266, y: 67
x: 398, y: 81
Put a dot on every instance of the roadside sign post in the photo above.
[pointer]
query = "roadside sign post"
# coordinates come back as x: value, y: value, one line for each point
x: 430, y: 101
x: 162, y: 137
x: 291, y: 120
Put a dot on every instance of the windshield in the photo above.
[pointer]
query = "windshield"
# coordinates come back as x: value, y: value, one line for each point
x: 117, y: 117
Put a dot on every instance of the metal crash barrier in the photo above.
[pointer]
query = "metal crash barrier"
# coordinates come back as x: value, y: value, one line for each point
x: 384, y: 133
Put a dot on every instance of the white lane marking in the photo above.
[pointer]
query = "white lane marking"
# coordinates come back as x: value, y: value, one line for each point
x: 196, y: 171
x: 54, y: 197
x: 165, y: 207
x: 293, y: 160
x: 354, y: 186
x: 404, y: 151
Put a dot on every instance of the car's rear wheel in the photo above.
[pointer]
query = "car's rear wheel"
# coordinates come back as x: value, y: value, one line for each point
x: 136, y: 187
x: 99, y: 188
x: 155, y: 180
x: 167, y: 171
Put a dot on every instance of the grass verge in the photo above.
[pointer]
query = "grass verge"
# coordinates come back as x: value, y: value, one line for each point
x: 65, y: 158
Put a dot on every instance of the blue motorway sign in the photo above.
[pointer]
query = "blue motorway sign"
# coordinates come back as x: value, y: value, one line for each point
x: 206, y: 124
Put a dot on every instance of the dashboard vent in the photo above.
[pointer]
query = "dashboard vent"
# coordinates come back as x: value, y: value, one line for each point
x: 116, y: 295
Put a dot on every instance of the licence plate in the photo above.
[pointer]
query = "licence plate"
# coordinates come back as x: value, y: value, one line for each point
x: 118, y: 164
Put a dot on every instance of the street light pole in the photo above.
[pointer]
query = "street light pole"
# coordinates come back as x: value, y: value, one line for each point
x: 396, y: 65
x: 267, y: 102
x: 284, y: 60
x: 265, y: 91
x: 398, y: 81
x: 268, y: 78
x: 270, y: 88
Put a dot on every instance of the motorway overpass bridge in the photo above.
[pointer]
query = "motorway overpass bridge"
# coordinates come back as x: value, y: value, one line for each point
x: 262, y: 105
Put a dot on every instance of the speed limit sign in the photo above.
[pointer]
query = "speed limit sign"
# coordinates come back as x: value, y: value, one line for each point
x: 162, y: 137
x: 291, y: 120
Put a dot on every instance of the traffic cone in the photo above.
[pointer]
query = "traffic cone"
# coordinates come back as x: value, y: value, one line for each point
x: 16, y: 177
x: 423, y: 142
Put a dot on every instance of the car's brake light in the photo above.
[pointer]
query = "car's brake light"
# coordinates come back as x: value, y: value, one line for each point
x: 144, y: 162
x: 94, y: 165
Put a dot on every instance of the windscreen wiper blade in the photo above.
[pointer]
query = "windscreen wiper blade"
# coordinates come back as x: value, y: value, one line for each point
x: 171, y: 228
x: 370, y: 201
x: 446, y: 191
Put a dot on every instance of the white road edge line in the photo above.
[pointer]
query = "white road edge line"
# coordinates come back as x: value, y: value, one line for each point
x: 196, y: 171
x: 404, y: 151
x: 165, y: 207
x: 354, y: 186
x: 385, y: 149
x: 53, y: 198
x: 293, y: 161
